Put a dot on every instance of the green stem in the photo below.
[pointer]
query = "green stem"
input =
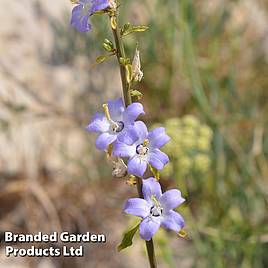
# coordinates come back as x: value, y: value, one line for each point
x: 149, y: 244
x: 120, y: 53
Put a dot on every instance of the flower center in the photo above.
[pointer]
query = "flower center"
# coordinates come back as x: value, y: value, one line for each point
x: 141, y: 149
x: 117, y: 126
x: 156, y: 209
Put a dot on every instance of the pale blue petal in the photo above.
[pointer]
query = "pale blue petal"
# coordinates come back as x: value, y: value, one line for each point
x: 116, y: 109
x: 158, y: 138
x: 137, y: 166
x: 79, y: 20
x: 137, y: 207
x: 132, y: 112
x: 149, y: 227
x: 171, y: 199
x: 123, y: 150
x: 154, y: 161
x: 161, y: 156
x: 141, y: 130
x: 129, y: 136
x: 173, y: 221
x: 151, y: 187
x: 104, y: 140
x: 98, y: 5
x: 99, y: 123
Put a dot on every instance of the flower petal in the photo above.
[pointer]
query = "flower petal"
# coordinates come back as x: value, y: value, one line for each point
x: 158, y: 137
x: 128, y: 136
x: 132, y: 112
x: 79, y: 20
x: 99, y: 123
x: 151, y: 187
x: 116, y: 109
x: 173, y: 221
x: 137, y: 207
x: 149, y: 227
x: 99, y: 5
x: 171, y: 199
x: 155, y: 162
x: 104, y: 140
x: 141, y: 130
x: 123, y: 150
x: 160, y: 155
x: 136, y: 166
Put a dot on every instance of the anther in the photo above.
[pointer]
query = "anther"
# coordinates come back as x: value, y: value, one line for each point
x: 146, y: 142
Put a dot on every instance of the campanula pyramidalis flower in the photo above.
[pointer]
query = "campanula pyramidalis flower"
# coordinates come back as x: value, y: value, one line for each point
x: 142, y: 148
x: 114, y: 122
x: 83, y: 10
x: 156, y: 209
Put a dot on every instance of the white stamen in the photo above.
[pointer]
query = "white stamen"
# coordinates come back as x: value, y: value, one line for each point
x: 156, y: 209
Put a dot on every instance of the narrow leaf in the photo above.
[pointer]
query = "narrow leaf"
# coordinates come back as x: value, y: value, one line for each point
x: 102, y: 58
x: 135, y: 29
x: 127, y: 238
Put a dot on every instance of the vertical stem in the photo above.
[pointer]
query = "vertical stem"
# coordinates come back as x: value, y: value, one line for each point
x: 120, y: 53
x: 149, y: 244
x: 150, y: 251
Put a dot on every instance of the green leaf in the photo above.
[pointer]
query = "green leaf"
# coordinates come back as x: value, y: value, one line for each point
x: 136, y: 93
x: 108, y: 45
x: 102, y: 58
x: 127, y: 238
x: 125, y: 28
x: 134, y: 29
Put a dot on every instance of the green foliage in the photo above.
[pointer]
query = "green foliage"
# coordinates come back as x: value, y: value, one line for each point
x: 128, y: 29
x: 102, y: 58
x: 127, y: 238
x: 189, y: 148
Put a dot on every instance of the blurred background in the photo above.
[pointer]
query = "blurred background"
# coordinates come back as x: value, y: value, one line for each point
x: 206, y: 80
